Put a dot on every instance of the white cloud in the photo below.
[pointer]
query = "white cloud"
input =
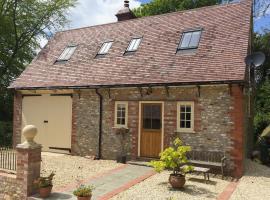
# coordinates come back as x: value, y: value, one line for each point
x: 93, y: 12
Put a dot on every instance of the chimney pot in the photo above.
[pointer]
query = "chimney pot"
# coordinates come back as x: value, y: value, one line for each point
x: 126, y: 3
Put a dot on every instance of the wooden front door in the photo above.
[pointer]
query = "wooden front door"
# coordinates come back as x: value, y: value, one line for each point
x: 151, y: 128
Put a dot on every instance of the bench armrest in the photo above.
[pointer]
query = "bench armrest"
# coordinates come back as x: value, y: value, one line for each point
x: 223, y: 161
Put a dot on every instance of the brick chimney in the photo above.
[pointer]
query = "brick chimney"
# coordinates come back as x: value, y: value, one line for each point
x: 125, y: 13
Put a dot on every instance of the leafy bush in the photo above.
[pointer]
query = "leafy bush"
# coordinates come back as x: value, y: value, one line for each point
x: 44, y: 182
x: 5, y: 133
x: 173, y: 158
x: 84, y: 191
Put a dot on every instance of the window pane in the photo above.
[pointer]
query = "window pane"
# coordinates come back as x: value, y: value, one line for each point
x: 123, y: 121
x: 118, y: 120
x: 67, y: 53
x: 185, y: 40
x: 188, y: 116
x: 194, y: 42
x: 182, y: 116
x: 188, y: 124
x: 147, y: 123
x: 105, y: 48
x: 182, y: 124
x: 183, y: 108
x: 188, y: 108
x: 134, y: 44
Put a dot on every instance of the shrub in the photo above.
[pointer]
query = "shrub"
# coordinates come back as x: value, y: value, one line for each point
x: 83, y: 191
x: 44, y: 182
x: 173, y: 158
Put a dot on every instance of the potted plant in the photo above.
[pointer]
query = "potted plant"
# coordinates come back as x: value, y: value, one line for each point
x: 122, y: 132
x: 83, y: 192
x: 175, y: 159
x: 45, y: 185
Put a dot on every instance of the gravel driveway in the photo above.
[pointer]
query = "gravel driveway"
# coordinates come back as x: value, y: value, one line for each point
x: 255, y: 184
x: 157, y: 187
x: 69, y: 169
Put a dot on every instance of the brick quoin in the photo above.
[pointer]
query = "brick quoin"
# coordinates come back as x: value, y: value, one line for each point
x: 237, y: 132
x: 74, y: 124
x: 17, y: 118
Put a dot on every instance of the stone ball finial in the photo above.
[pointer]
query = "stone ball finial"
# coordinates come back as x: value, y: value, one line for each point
x: 29, y: 132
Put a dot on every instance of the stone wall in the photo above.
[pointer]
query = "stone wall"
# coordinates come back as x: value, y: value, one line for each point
x: 10, y: 187
x: 218, y: 119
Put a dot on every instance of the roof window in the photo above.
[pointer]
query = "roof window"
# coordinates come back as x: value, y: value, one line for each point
x: 105, y: 48
x: 67, y: 53
x: 134, y: 44
x: 190, y: 40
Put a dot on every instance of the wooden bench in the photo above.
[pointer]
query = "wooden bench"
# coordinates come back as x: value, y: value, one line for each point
x: 203, y: 170
x: 211, y: 159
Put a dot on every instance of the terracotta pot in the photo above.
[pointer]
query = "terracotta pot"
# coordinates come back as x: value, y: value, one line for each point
x: 177, y: 181
x: 84, y: 198
x: 45, y: 192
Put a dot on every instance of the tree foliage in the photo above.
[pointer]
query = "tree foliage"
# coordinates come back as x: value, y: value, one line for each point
x: 261, y: 42
x: 22, y: 24
x: 156, y: 7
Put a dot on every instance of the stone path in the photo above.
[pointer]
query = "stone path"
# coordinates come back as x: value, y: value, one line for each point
x: 108, y: 184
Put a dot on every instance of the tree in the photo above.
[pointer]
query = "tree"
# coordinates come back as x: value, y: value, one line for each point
x: 156, y: 7
x: 22, y: 24
x: 262, y: 98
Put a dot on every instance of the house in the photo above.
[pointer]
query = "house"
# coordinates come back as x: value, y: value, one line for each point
x: 177, y: 74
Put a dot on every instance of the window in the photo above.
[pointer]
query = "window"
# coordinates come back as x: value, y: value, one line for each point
x: 105, y: 48
x: 185, y: 116
x: 151, y: 116
x: 67, y: 53
x: 134, y: 44
x: 190, y: 40
x: 121, y: 114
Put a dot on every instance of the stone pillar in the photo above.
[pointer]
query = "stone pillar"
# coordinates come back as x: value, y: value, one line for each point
x: 28, y: 160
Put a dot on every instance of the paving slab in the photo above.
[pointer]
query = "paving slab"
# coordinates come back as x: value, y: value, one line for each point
x: 108, y: 185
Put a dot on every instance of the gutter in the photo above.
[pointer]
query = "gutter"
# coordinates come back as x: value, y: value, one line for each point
x: 132, y: 85
x: 99, y: 155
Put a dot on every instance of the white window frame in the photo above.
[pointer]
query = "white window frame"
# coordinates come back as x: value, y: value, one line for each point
x: 186, y: 103
x: 126, y: 114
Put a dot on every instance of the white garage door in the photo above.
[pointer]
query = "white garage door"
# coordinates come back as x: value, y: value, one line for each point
x: 52, y: 115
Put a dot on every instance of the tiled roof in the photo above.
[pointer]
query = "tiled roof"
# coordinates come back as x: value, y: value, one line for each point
x: 220, y: 56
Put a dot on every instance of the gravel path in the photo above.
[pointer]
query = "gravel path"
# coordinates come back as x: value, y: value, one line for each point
x: 69, y: 169
x: 255, y: 184
x: 157, y: 187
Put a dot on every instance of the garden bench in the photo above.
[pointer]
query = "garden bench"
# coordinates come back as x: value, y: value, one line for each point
x: 203, y: 170
x: 212, y: 159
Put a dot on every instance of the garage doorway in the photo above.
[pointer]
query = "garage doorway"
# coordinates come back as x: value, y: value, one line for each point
x: 52, y: 115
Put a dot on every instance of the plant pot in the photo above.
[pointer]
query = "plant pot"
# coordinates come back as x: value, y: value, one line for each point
x: 121, y: 159
x: 45, y: 192
x: 84, y: 198
x: 177, y: 180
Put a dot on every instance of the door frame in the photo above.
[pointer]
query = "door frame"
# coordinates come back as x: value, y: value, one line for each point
x: 140, y: 123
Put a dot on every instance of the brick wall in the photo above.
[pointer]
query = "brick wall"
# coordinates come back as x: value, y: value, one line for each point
x: 17, y: 118
x: 21, y: 185
x: 218, y: 120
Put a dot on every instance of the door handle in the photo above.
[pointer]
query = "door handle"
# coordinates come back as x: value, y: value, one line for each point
x: 46, y: 121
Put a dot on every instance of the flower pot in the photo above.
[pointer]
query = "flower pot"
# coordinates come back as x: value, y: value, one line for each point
x: 177, y: 180
x: 121, y: 159
x: 84, y: 198
x: 45, y: 192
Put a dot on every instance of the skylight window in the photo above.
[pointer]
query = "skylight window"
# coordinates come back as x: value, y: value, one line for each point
x: 105, y: 48
x: 134, y: 44
x: 190, y: 40
x: 67, y: 53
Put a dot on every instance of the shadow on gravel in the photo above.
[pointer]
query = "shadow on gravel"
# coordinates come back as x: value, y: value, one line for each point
x: 194, y: 190
x: 202, y: 181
